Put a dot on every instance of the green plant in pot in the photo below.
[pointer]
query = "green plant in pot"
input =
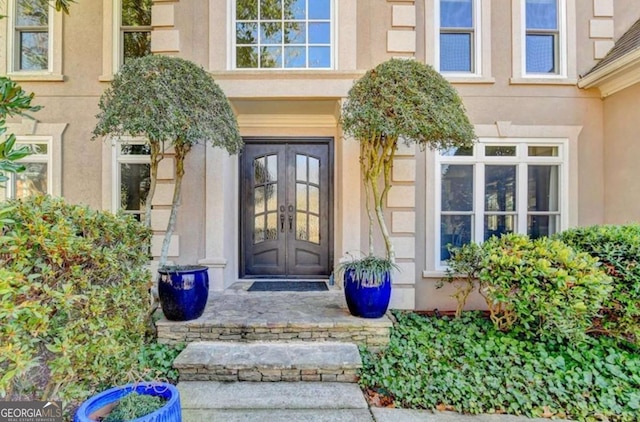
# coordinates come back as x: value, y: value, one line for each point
x: 397, y: 101
x: 170, y: 102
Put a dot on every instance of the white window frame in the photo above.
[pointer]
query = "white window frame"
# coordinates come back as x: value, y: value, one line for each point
x: 566, y: 55
x: 118, y: 158
x: 333, y: 15
x: 476, y: 44
x: 521, y: 161
x: 51, y: 158
x: 8, y: 63
x: 482, y: 42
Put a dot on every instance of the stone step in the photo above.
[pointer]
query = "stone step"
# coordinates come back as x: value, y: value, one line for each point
x: 277, y: 415
x: 237, y: 396
x: 269, y: 361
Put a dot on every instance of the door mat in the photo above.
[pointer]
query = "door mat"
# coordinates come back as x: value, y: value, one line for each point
x: 288, y: 286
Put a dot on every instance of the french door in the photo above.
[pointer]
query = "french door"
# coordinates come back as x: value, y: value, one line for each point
x: 286, y: 209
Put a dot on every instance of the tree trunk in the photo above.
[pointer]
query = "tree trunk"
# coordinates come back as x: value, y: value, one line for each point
x: 181, y: 152
x: 156, y: 157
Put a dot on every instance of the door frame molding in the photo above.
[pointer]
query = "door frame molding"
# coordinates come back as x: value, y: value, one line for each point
x: 318, y: 140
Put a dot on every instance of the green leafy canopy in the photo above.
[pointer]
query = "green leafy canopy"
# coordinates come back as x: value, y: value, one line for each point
x: 409, y: 100
x: 168, y: 99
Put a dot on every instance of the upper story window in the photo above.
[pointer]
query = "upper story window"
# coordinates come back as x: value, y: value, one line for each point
x: 31, y: 35
x: 500, y: 187
x: 135, y: 30
x: 542, y: 36
x: 283, y: 34
x: 457, y: 36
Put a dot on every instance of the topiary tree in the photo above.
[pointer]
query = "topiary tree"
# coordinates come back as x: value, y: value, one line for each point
x: 168, y: 101
x: 400, y: 99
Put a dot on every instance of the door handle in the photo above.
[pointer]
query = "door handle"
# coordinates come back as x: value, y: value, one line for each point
x: 290, y: 218
x: 282, y: 218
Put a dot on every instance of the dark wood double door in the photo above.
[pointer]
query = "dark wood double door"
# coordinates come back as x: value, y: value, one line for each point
x: 285, y: 208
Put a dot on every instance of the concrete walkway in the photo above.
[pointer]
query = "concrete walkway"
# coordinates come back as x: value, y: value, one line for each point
x: 302, y: 401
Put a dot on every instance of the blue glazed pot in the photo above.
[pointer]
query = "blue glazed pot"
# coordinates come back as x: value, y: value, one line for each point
x: 170, y: 412
x: 183, y: 291
x: 364, y: 298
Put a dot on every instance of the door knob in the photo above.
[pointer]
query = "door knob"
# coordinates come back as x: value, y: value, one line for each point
x: 281, y: 218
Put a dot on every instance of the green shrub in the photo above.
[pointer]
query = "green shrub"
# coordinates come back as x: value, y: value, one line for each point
x: 134, y: 406
x: 618, y: 248
x: 466, y: 365
x: 535, y: 287
x: 73, y: 299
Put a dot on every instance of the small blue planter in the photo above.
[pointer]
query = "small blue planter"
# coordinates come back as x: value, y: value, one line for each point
x: 364, y: 298
x: 170, y: 412
x: 183, y: 291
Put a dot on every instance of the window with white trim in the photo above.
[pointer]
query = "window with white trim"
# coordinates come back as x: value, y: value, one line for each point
x: 459, y: 44
x: 31, y: 35
x: 134, y: 22
x: 132, y: 175
x: 283, y: 34
x: 499, y: 187
x: 542, y: 36
x: 37, y: 178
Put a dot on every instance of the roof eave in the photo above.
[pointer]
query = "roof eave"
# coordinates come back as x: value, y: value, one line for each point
x: 615, y: 76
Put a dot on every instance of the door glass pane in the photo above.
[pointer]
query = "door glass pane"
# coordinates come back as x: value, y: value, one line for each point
x: 272, y: 168
x: 542, y: 225
x: 272, y: 196
x: 314, y: 200
x: 301, y: 167
x: 135, y: 180
x: 455, y: 52
x: 314, y: 170
x: 32, y: 181
x: 314, y: 229
x: 497, y: 225
x: 258, y: 199
x: 457, y: 187
x: 454, y: 230
x: 541, y: 53
x: 258, y: 229
x: 500, y: 151
x: 301, y: 226
x: 543, y: 188
x: 259, y: 171
x: 301, y: 196
x: 500, y: 188
x: 456, y: 13
x: 272, y: 226
x: 542, y: 14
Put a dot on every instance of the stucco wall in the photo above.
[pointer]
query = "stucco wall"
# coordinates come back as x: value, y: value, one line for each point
x: 622, y: 149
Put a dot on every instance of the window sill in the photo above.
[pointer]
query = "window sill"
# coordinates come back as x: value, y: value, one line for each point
x: 543, y: 81
x: 36, y: 77
x: 434, y: 274
x: 470, y: 79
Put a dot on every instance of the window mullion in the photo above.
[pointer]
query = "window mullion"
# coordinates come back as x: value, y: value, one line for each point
x: 522, y: 190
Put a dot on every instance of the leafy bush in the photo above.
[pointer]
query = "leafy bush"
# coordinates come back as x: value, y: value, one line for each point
x: 618, y: 248
x: 535, y: 287
x: 467, y: 365
x: 73, y: 299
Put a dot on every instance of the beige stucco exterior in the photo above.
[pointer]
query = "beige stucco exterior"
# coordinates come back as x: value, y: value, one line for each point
x: 600, y: 133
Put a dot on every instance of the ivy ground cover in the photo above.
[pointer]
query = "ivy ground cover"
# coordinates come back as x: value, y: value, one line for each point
x: 467, y: 365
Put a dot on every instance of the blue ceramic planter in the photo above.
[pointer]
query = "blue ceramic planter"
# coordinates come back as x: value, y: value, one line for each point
x: 170, y: 412
x: 183, y: 291
x: 364, y: 298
